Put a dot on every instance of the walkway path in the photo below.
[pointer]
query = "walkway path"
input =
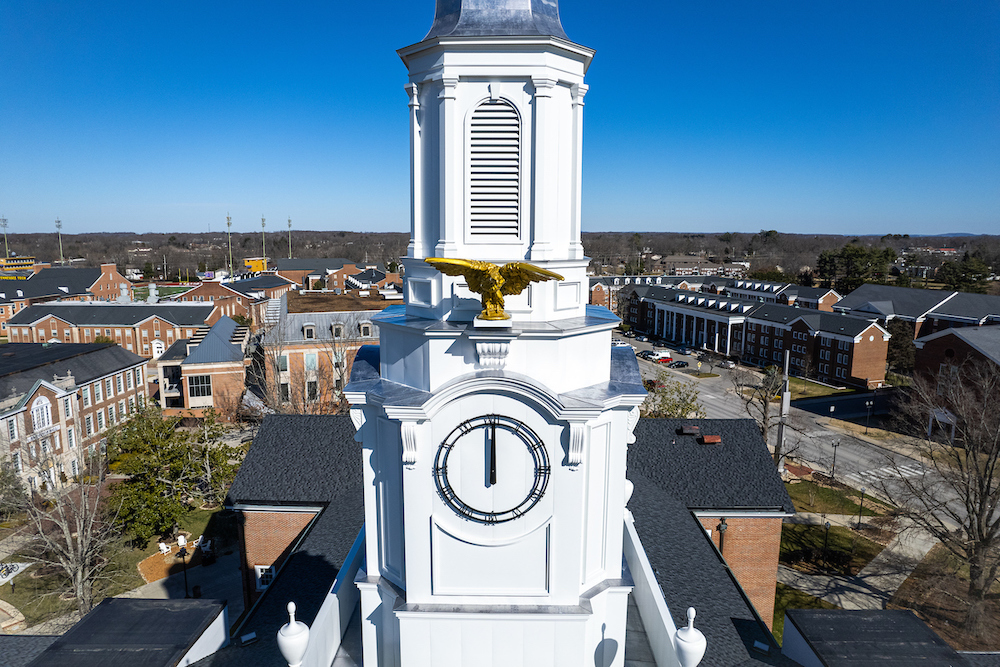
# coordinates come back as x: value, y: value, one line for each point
x: 875, y: 585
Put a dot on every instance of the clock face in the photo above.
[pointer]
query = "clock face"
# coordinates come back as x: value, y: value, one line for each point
x: 491, y: 469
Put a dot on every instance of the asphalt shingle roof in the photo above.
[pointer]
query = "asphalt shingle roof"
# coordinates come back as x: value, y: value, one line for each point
x: 216, y: 347
x: 818, y: 320
x: 975, y: 307
x: 115, y: 314
x: 23, y: 364
x: 984, y: 339
x: 313, y: 263
x: 248, y: 285
x: 907, y: 302
x: 56, y: 281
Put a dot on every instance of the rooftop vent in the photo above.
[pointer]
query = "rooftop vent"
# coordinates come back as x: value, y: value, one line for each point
x: 711, y: 440
x: 690, y: 429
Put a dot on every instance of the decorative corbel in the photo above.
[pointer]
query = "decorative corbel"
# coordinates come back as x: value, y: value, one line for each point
x: 578, y: 90
x: 577, y: 439
x: 448, y: 85
x: 492, y: 354
x: 631, y: 421
x: 543, y: 86
x: 408, y: 436
x: 358, y: 417
x: 413, y: 90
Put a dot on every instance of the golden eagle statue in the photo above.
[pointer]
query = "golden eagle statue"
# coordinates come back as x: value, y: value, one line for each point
x: 492, y: 282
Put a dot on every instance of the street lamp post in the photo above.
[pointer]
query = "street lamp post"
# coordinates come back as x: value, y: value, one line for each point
x: 183, y: 554
x: 826, y: 541
x: 833, y: 470
x: 289, y: 238
x: 861, y: 507
x: 868, y: 407
x: 263, y: 249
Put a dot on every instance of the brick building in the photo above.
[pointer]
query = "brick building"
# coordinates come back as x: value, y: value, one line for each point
x: 927, y: 311
x: 246, y: 297
x: 831, y: 347
x: 146, y: 329
x: 332, y: 272
x: 305, y: 359
x: 207, y: 370
x: 64, y: 284
x: 940, y: 353
x: 58, y: 401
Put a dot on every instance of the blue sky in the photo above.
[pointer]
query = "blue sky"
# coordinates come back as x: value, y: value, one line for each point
x: 849, y: 116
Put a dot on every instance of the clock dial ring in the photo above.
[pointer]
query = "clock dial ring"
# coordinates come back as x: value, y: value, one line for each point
x: 539, y: 459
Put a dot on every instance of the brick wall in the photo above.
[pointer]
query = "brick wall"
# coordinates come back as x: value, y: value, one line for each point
x: 945, y: 350
x: 868, y: 359
x: 751, y: 550
x: 266, y: 538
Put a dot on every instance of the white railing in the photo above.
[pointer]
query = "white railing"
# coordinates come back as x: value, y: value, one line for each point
x: 656, y: 619
x: 334, y: 615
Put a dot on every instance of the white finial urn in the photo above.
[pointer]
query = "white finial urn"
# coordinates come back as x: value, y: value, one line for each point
x: 293, y: 638
x: 690, y: 643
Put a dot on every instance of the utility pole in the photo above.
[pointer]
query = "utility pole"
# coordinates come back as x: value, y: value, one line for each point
x: 289, y: 237
x: 229, y: 234
x: 263, y: 250
x: 3, y: 223
x: 59, y: 231
x: 786, y: 397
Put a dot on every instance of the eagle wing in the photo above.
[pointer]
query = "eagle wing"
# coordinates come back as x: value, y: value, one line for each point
x: 476, y: 273
x: 517, y: 275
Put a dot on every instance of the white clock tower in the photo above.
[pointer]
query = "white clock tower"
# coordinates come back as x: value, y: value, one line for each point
x: 495, y: 456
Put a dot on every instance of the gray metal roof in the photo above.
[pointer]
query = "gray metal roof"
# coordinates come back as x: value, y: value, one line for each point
x: 878, y: 638
x: 23, y: 364
x: 130, y: 631
x: 216, y: 347
x: 115, y: 314
x: 975, y: 307
x: 248, y: 285
x: 906, y: 302
x: 465, y: 18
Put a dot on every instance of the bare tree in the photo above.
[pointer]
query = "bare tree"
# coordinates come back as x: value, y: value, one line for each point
x: 670, y: 397
x: 72, y: 531
x: 957, y: 500
x: 758, y: 392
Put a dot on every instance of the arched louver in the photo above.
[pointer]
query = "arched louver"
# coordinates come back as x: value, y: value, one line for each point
x: 495, y: 170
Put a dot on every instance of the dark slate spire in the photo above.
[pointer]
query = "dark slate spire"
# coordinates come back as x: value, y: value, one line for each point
x: 496, y: 17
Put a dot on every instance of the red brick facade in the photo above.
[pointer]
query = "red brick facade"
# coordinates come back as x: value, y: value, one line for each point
x: 266, y: 539
x: 751, y: 548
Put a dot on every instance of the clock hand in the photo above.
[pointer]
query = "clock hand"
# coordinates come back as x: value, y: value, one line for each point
x: 493, y: 454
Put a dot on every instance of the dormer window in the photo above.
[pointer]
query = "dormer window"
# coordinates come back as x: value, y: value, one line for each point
x: 309, y: 331
x: 338, y: 331
x: 365, y: 330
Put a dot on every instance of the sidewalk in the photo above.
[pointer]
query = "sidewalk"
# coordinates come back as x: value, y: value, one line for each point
x: 875, y: 585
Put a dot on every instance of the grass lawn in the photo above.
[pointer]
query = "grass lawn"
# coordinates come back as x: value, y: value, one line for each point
x: 801, y: 388
x: 812, y: 497
x: 140, y: 293
x: 846, y: 552
x: 786, y: 597
x: 34, y: 596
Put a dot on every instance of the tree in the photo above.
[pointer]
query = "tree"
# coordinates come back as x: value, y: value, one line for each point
x: 671, y: 398
x: 969, y: 275
x: 958, y: 500
x: 72, y: 531
x: 758, y: 393
x: 168, y: 471
x: 902, y: 350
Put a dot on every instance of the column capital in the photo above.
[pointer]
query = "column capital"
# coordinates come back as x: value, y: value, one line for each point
x: 448, y: 83
x: 543, y: 85
x: 579, y: 91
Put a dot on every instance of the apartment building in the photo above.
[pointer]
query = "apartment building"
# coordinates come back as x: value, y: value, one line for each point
x: 246, y: 297
x: 205, y: 371
x: 145, y: 329
x: 305, y: 360
x: 928, y: 311
x: 48, y: 283
x: 58, y: 402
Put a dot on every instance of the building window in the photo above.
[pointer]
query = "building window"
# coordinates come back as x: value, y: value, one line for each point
x: 41, y: 413
x: 283, y: 363
x: 200, y: 385
x: 131, y: 403
x: 15, y: 459
x: 128, y: 379
x: 310, y: 333
x: 312, y: 390
x: 111, y: 414
x: 45, y: 445
x: 74, y: 467
x: 67, y: 407
x: 118, y: 383
x: 338, y: 331
x: 494, y: 170
x: 283, y: 389
x: 366, y: 330
x: 311, y: 361
x: 121, y: 409
x: 70, y: 438
x: 264, y: 575
x: 88, y: 422
x: 108, y: 388
x: 98, y: 395
x: 100, y: 420
x: 138, y: 377
x: 12, y: 429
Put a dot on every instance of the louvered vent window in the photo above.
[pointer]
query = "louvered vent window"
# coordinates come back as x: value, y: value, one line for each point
x: 495, y: 170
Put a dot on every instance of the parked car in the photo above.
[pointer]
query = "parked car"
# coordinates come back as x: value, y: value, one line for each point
x: 684, y: 349
x: 645, y: 354
x: 729, y: 363
x: 642, y: 339
x: 659, y: 343
x: 664, y: 360
x: 628, y: 334
x: 677, y: 364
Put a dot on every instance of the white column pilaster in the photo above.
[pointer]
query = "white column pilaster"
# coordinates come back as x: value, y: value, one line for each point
x: 576, y: 213
x: 545, y: 191
x: 416, y: 246
x: 451, y: 184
